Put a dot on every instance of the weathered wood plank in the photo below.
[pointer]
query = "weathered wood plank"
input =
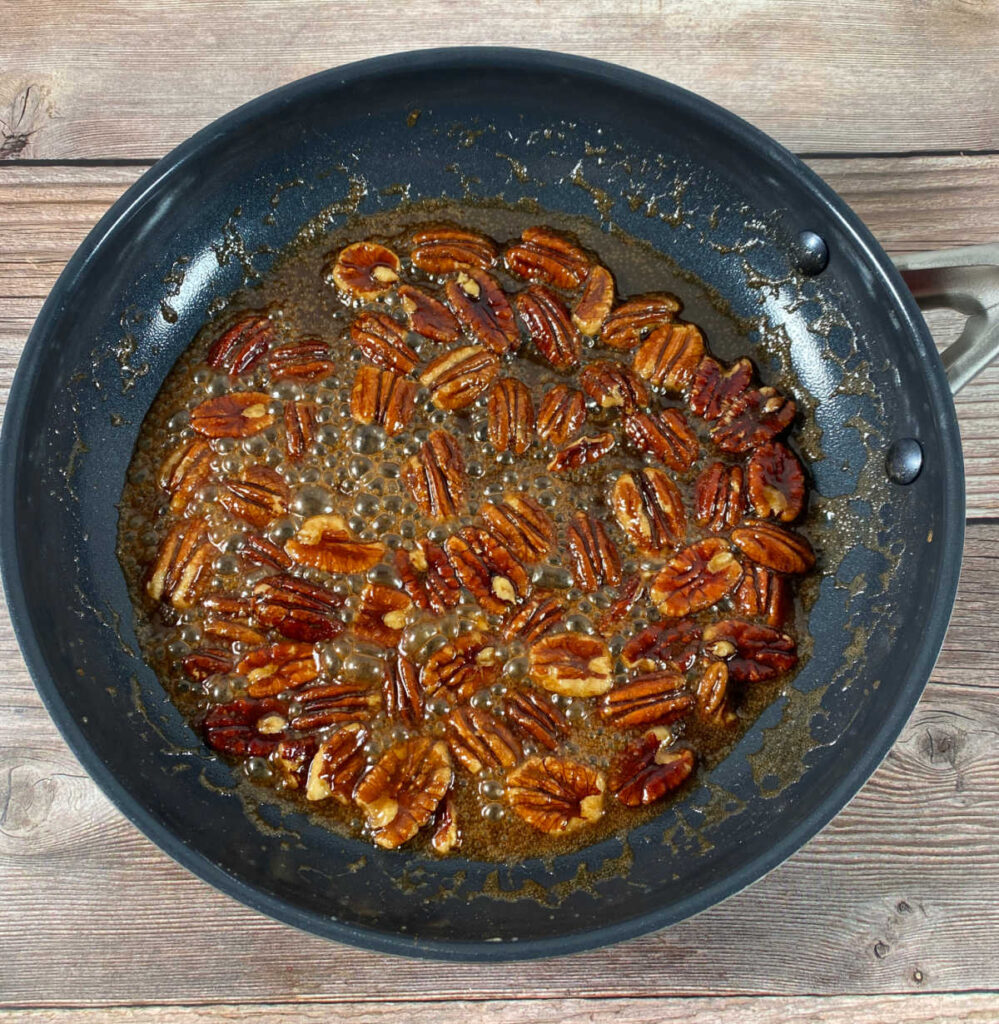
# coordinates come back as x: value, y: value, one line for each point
x: 131, y: 80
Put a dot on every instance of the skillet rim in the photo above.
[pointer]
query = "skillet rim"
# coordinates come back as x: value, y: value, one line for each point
x: 508, y: 60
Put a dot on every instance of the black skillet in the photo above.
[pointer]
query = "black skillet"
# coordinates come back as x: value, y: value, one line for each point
x: 733, y: 209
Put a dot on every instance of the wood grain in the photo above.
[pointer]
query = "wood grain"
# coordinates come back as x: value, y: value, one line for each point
x: 131, y: 80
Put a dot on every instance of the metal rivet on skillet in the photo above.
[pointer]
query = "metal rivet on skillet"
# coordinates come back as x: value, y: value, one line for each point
x: 812, y: 255
x: 904, y: 460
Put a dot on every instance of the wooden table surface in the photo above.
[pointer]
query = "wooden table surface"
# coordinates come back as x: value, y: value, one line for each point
x: 892, y: 913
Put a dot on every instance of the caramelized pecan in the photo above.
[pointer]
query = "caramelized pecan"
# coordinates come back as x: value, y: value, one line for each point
x: 549, y: 257
x: 427, y: 316
x: 305, y: 360
x: 275, y: 668
x: 240, y: 347
x: 180, y: 573
x: 572, y: 664
x: 522, y: 525
x: 237, y: 414
x: 776, y: 482
x: 443, y: 249
x: 381, y: 614
x: 511, y: 416
x: 458, y: 666
x: 549, y: 326
x: 751, y: 652
x: 536, y: 718
x: 714, y: 386
x: 696, y: 578
x: 712, y: 695
x: 672, y: 643
x: 435, y: 476
x: 324, y: 542
x: 763, y: 594
x: 299, y: 428
x: 447, y: 835
x: 293, y: 757
x: 617, y: 612
x: 334, y: 704
x: 665, y: 435
x: 365, y: 270
x: 338, y: 764
x: 654, y: 698
x: 595, y: 303
x: 459, y: 376
x: 561, y: 414
x: 402, y: 691
x: 259, y: 551
x: 631, y: 322
x: 537, y: 616
x: 257, y: 495
x: 233, y: 632
x: 400, y: 793
x: 772, y: 546
x: 185, y: 471
x: 582, y: 452
x: 383, y: 341
x: 206, y: 662
x: 487, y: 568
x: 382, y: 397
x: 555, y: 794
x: 427, y: 577
x: 646, y: 770
x: 649, y: 507
x: 483, y: 309
x: 612, y: 385
x: 234, y: 728
x: 719, y: 501
x: 752, y: 419
x: 479, y: 740
x: 669, y: 357
x: 595, y: 561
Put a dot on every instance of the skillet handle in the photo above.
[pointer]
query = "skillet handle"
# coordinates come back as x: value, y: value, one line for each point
x: 966, y: 280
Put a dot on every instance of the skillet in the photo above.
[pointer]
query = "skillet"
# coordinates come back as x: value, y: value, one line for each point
x: 753, y: 232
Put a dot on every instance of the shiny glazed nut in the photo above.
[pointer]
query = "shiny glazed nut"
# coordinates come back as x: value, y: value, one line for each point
x: 555, y: 794
x: 297, y: 608
x: 665, y: 436
x: 232, y: 632
x: 696, y: 578
x: 752, y: 652
x: 655, y: 698
x: 763, y: 594
x: 334, y: 704
x: 383, y: 341
x: 487, y: 569
x: 443, y: 249
x: 258, y: 495
x: 772, y: 546
x: 456, y: 667
x: 752, y: 419
x: 649, y: 508
x: 511, y: 416
x: 382, y: 397
x: 402, y: 691
x: 233, y: 728
x: 324, y: 542
x: 612, y: 385
x: 595, y: 561
x: 185, y: 471
x: 182, y: 567
x: 669, y: 357
x: 299, y: 428
x: 446, y: 834
x: 240, y: 347
x: 365, y: 270
x: 632, y: 321
x: 459, y: 376
x: 712, y: 695
x: 338, y: 764
x: 480, y: 741
x: 551, y: 330
x: 545, y: 255
x: 292, y: 758
x: 427, y: 316
x: 522, y: 525
x: 482, y: 308
x: 536, y: 718
x: 400, y: 793
x: 306, y: 360
x: 719, y: 499
x: 381, y: 615
x: 776, y: 482
x: 596, y: 301
x: 582, y: 452
x: 537, y: 616
x: 237, y: 414
x: 662, y: 643
x: 428, y: 578
x: 572, y: 664
x: 629, y: 593
x: 258, y: 550
x: 275, y: 668
x: 206, y: 662
x: 647, y: 769
x: 561, y: 414
x: 715, y: 386
x: 435, y: 476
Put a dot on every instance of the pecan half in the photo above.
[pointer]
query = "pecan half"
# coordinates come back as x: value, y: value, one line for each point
x: 549, y: 257
x: 646, y: 770
x: 458, y: 377
x: 338, y: 764
x: 511, y: 416
x: 258, y: 495
x: 234, y: 728
x: 443, y: 249
x: 480, y: 741
x: 751, y: 652
x: 324, y: 542
x: 381, y: 614
x: 752, y: 419
x: 240, y: 347
x: 719, y: 500
x: 487, y: 568
x: 649, y: 507
x: 772, y: 546
x: 595, y: 561
x: 561, y: 414
x: 457, y: 667
x: 206, y: 662
x: 537, y: 616
x: 665, y: 435
x: 382, y: 397
x: 435, y: 476
x: 428, y: 316
x: 655, y: 698
x: 763, y: 594
x: 483, y: 309
x: 712, y: 695
x: 237, y: 414
x: 275, y: 668
x: 447, y: 835
x: 617, y: 612
x: 669, y: 357
x: 334, y: 704
x: 554, y: 794
x: 612, y: 385
x: 595, y: 303
x: 674, y: 643
x: 305, y: 360
x: 185, y: 471
x: 299, y: 428
x: 582, y: 452
x: 233, y: 632
x: 521, y: 524
x: 259, y: 551
x: 550, y: 327
x: 182, y: 567
x: 714, y: 386
x: 631, y: 322
x: 427, y: 577
x: 572, y: 664
x: 293, y: 757
x: 536, y: 718
x: 402, y: 691
x: 365, y: 270
x: 383, y: 341
x: 776, y: 482
x: 400, y: 793
x: 696, y: 578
